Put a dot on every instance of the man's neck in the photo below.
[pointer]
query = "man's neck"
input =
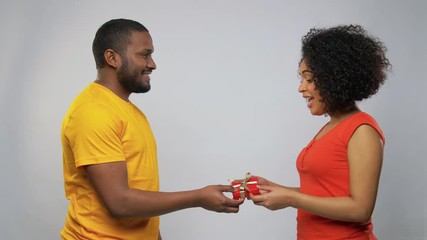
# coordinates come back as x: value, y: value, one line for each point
x: 110, y: 81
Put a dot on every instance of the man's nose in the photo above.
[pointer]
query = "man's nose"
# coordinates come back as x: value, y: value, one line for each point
x: 151, y: 64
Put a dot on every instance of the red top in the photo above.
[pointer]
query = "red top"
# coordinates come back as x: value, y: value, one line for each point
x: 324, y: 172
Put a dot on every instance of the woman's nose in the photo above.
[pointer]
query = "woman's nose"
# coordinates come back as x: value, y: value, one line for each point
x: 302, y: 87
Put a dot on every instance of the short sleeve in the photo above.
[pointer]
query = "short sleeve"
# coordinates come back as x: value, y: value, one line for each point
x: 94, y: 133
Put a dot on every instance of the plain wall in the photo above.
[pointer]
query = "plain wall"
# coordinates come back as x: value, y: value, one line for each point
x: 224, y: 101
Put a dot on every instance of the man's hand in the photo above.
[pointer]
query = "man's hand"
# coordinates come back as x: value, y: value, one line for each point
x: 212, y: 198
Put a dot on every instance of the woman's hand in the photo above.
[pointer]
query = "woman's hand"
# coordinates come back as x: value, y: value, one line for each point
x: 272, y: 195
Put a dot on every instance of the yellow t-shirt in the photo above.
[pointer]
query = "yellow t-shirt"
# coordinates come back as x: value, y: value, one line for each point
x: 100, y: 127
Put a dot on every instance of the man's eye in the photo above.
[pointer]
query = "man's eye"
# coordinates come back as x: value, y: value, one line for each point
x: 144, y: 55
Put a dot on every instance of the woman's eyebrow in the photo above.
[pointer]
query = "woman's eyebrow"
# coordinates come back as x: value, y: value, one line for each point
x: 306, y: 71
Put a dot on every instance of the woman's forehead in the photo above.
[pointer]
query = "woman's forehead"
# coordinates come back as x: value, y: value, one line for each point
x: 303, y: 68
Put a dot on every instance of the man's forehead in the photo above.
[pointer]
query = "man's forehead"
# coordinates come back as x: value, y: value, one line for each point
x: 142, y: 40
x: 141, y: 36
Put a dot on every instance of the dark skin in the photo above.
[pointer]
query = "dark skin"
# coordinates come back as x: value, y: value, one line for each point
x: 365, y: 156
x: 110, y: 180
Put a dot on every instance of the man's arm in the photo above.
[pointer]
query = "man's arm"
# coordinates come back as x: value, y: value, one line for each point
x: 111, y: 183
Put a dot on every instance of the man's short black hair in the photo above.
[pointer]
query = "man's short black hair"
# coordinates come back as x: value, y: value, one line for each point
x: 114, y: 34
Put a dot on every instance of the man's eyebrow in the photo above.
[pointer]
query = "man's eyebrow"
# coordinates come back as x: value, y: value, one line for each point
x: 146, y: 51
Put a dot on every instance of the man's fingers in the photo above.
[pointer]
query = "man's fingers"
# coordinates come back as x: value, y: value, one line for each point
x: 229, y: 210
x: 226, y: 188
x: 232, y: 210
x: 231, y: 205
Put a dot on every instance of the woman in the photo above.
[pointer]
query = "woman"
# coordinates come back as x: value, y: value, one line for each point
x: 340, y: 168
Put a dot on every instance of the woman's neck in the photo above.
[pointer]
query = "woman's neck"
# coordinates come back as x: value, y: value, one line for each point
x: 339, y: 117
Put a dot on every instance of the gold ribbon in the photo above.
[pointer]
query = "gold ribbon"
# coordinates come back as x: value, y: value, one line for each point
x: 243, y: 183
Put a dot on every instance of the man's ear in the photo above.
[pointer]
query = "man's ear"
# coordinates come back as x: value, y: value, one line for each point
x: 112, y: 58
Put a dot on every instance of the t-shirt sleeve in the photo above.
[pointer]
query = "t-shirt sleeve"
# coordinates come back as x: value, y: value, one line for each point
x: 94, y: 134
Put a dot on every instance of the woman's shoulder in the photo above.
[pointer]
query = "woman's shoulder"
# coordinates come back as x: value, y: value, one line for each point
x: 360, y: 119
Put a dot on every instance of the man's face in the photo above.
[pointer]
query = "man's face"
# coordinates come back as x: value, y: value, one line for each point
x: 137, y: 64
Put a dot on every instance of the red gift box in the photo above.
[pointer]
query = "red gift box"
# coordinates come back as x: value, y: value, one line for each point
x: 242, y: 187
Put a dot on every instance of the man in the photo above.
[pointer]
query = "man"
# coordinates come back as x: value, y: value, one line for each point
x: 109, y: 151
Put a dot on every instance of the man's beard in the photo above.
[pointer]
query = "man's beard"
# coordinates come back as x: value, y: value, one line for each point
x: 129, y: 80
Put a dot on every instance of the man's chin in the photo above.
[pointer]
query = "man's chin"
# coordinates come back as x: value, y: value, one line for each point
x: 143, y: 89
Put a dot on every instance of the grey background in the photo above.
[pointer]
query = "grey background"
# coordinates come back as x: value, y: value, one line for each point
x: 224, y: 101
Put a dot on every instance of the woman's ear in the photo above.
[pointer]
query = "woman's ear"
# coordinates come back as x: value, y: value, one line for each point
x: 112, y: 58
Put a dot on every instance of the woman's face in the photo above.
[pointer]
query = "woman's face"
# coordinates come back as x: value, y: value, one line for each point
x: 309, y: 90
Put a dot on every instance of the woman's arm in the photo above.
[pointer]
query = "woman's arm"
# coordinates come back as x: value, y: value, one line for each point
x: 365, y: 155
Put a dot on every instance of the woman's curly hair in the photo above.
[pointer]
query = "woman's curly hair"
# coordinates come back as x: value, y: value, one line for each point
x: 348, y: 65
